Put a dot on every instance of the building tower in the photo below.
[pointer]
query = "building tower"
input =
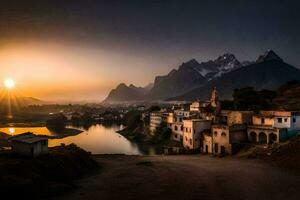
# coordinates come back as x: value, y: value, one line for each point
x: 214, y: 100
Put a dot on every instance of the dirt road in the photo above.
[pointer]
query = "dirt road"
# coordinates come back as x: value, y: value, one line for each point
x: 185, y: 177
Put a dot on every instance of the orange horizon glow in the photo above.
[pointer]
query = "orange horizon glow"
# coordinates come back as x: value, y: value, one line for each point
x: 51, y: 72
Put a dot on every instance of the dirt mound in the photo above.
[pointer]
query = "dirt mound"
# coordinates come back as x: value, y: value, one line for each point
x: 48, y: 175
x: 285, y: 155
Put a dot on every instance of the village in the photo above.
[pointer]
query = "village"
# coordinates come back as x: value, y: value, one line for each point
x: 203, y: 127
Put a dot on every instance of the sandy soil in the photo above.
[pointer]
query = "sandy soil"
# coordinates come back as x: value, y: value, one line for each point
x: 185, y: 177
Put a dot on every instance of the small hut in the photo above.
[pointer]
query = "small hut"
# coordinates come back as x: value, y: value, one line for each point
x: 29, y: 144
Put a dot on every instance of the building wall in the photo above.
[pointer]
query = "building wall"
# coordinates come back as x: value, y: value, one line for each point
x: 177, y: 131
x: 170, y: 118
x: 256, y: 133
x: 192, y: 130
x: 155, y: 121
x: 195, y: 106
x: 21, y: 148
x: 257, y: 120
x: 39, y: 148
x: 282, y: 122
x: 295, y: 122
x: 220, y: 140
x: 207, y: 144
x: 182, y: 113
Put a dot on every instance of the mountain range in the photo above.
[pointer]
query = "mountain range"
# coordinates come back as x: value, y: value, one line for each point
x: 193, y: 80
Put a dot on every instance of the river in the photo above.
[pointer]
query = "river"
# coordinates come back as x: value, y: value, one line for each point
x: 97, y: 139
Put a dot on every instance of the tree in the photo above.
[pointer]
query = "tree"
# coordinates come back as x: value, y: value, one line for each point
x: 249, y: 99
x: 154, y: 108
x: 56, y: 122
x: 163, y: 132
x: 132, y: 119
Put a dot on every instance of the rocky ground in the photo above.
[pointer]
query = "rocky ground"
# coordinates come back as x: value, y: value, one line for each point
x: 185, y: 177
x: 45, y: 176
x: 284, y: 155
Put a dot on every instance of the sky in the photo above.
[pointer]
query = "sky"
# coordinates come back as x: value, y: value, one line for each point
x: 63, y: 50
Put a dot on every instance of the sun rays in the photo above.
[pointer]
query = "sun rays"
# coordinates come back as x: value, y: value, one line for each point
x: 10, y: 100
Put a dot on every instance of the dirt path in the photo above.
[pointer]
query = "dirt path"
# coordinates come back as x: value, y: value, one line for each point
x: 185, y: 177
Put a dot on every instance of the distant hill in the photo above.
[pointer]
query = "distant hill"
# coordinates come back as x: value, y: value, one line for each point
x: 20, y: 101
x: 123, y: 93
x: 194, y: 80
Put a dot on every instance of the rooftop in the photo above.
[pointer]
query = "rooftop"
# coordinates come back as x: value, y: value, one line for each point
x: 28, y: 137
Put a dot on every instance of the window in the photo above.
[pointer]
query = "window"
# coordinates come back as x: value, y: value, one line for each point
x: 294, y: 120
x: 216, y: 133
x: 191, y: 141
x: 181, y: 128
x: 285, y: 119
x: 223, y: 134
x: 176, y: 128
x: 175, y: 135
x: 279, y: 120
x: 262, y: 120
x: 186, y: 139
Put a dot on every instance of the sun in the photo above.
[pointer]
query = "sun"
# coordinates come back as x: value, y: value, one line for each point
x: 9, y: 83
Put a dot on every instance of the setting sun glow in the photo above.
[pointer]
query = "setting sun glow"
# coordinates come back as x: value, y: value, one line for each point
x: 9, y: 83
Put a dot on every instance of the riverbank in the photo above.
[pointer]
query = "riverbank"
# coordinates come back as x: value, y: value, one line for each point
x: 185, y: 177
x: 65, y: 133
x: 45, y: 176
x: 148, y: 144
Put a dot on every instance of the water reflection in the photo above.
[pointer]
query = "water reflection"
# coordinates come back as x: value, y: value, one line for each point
x: 100, y: 140
x: 18, y: 130
x: 97, y: 139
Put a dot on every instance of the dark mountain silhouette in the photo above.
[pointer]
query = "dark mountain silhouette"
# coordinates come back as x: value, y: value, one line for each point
x: 191, y: 75
x: 188, y: 76
x: 265, y: 74
x: 123, y: 93
x: 194, y: 80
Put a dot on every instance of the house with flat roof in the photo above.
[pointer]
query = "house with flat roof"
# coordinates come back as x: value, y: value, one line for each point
x: 273, y: 126
x: 29, y: 144
x: 192, y: 132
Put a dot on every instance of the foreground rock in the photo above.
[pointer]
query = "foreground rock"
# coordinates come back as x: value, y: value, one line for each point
x: 44, y: 176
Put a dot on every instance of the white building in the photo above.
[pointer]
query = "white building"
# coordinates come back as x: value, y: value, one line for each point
x: 289, y: 120
x: 28, y: 144
x: 192, y: 130
x: 177, y: 125
x: 273, y: 126
x: 156, y: 118
x: 196, y: 106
